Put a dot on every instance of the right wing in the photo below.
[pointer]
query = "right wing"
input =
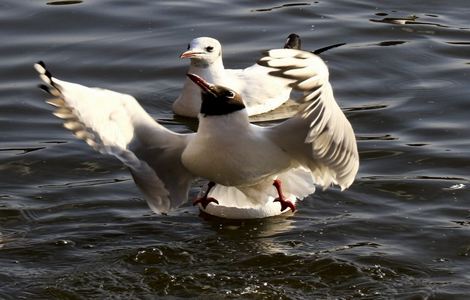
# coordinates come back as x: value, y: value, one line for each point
x: 114, y: 123
x: 319, y: 136
x: 259, y: 90
x: 268, y: 93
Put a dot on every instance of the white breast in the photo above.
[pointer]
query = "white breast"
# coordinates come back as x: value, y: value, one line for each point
x: 233, y: 154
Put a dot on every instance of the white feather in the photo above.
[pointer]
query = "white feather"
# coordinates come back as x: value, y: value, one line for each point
x: 332, y: 152
x: 115, y: 124
x: 260, y: 91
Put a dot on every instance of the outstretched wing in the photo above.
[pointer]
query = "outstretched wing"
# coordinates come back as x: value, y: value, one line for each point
x: 319, y: 136
x: 115, y: 124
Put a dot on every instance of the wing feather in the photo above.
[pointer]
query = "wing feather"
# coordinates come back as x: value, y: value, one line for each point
x: 115, y: 124
x: 320, y: 136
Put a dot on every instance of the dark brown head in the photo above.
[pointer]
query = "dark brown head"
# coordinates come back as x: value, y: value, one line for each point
x: 217, y: 100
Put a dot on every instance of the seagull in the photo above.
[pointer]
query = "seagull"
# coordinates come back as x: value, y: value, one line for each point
x: 242, y: 161
x: 260, y: 91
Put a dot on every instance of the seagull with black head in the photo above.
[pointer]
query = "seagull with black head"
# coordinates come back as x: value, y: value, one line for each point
x: 243, y: 162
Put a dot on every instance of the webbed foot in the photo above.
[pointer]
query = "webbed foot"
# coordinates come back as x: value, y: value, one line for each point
x: 285, y: 203
x: 204, y: 200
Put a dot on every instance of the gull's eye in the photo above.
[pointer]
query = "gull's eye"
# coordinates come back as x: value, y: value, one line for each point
x: 230, y: 94
x: 209, y: 48
x: 189, y: 46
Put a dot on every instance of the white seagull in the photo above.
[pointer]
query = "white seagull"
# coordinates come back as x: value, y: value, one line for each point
x: 260, y: 91
x: 243, y: 162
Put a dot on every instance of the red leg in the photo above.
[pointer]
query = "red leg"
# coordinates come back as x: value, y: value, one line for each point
x: 204, y: 200
x: 281, y: 199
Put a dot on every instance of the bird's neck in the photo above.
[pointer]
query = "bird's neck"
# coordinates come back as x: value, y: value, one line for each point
x: 199, y: 67
x: 224, y: 124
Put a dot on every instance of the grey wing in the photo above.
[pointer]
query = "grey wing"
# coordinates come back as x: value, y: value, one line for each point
x: 115, y: 124
x: 320, y: 136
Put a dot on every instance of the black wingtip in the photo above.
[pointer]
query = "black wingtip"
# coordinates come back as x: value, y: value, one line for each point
x: 321, y: 50
x: 44, y: 88
x: 293, y: 42
x: 42, y: 64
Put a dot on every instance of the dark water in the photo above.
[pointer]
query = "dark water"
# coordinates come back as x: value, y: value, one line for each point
x: 74, y: 226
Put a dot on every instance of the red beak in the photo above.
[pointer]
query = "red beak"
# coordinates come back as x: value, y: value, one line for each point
x: 204, y: 85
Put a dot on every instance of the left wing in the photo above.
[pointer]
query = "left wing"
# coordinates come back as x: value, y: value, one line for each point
x: 115, y: 124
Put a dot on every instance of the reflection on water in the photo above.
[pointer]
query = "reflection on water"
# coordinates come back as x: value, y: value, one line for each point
x: 256, y: 228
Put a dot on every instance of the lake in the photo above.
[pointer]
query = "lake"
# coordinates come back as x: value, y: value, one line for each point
x: 73, y: 225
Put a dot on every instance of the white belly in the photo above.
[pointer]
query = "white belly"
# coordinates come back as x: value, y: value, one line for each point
x: 233, y: 161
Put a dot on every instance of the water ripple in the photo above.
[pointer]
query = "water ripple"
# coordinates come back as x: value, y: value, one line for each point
x: 74, y: 226
x: 282, y: 6
x: 66, y: 2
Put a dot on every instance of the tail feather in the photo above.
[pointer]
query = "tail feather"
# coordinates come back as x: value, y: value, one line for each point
x: 296, y: 184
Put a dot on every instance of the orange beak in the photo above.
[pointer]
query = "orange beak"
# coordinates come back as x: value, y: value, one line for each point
x: 189, y: 54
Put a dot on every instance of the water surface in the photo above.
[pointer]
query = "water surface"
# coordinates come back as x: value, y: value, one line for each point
x: 74, y: 226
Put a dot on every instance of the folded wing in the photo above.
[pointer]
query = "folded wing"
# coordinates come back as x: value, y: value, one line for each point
x: 320, y: 136
x: 115, y: 124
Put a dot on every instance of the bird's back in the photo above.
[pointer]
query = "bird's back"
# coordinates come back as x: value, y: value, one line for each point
x: 260, y: 91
